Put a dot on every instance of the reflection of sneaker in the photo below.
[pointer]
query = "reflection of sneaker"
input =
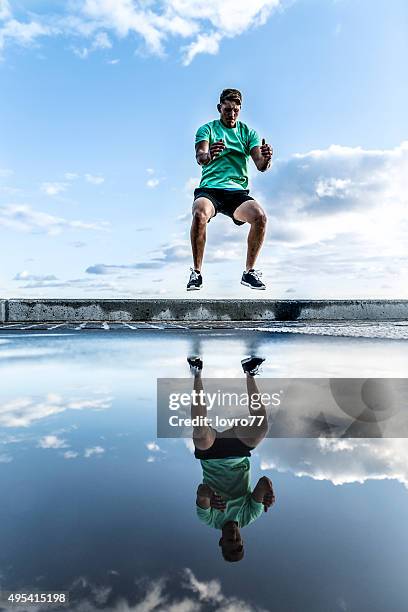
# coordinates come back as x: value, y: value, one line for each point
x: 196, y: 365
x: 250, y: 365
x: 252, y: 279
x: 196, y: 280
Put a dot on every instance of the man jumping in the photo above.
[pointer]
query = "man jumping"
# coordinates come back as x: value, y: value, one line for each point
x: 223, y: 147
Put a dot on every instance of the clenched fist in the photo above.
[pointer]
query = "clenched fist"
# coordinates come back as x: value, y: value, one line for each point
x: 216, y: 149
x: 266, y: 150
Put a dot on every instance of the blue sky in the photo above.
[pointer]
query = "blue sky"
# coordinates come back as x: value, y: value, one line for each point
x: 99, y: 107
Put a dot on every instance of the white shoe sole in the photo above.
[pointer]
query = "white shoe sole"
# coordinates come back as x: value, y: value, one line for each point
x: 194, y: 288
x: 248, y: 285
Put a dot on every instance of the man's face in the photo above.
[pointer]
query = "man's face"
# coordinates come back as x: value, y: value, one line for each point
x: 229, y: 112
x: 231, y: 539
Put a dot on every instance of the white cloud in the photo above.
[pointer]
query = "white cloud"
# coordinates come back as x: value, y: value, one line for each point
x: 95, y: 404
x: 23, y: 411
x: 122, y: 285
x: 204, y: 22
x: 5, y: 10
x: 5, y: 459
x: 24, y: 34
x: 339, y: 461
x: 95, y: 180
x: 52, y: 442
x: 95, y: 450
x: 123, y: 17
x: 52, y: 189
x: 26, y: 276
x: 341, y: 196
x: 193, y: 595
x: 153, y: 182
x: 101, y: 41
x: 153, y: 447
x: 113, y: 62
x: 102, y: 269
x: 189, y: 445
x: 23, y: 218
x: 205, y: 43
x: 337, y: 224
x: 206, y: 591
x: 70, y: 455
x: 71, y: 176
x: 338, y: 180
x: 332, y: 188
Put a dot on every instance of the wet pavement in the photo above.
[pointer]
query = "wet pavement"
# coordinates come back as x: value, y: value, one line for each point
x: 94, y: 504
x: 393, y: 330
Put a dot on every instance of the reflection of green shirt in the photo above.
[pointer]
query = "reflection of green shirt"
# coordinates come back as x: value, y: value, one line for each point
x: 230, y: 478
x: 230, y: 169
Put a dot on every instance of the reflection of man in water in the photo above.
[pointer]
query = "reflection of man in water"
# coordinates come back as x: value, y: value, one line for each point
x: 224, y: 499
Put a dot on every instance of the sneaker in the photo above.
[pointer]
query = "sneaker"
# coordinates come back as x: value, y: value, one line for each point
x: 196, y: 365
x: 252, y: 279
x: 196, y: 280
x: 251, y: 365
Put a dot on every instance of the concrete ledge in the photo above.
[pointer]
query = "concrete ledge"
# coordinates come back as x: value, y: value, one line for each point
x: 202, y: 310
x: 2, y: 311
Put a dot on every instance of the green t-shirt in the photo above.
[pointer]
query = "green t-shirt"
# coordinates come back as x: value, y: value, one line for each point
x: 230, y: 478
x: 230, y: 169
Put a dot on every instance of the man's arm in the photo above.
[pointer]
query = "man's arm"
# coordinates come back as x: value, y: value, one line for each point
x: 263, y: 492
x: 262, y: 156
x: 205, y: 154
x: 207, y: 498
x: 203, y: 496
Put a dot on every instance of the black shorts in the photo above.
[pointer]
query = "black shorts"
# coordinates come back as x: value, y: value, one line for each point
x: 224, y: 447
x: 225, y: 202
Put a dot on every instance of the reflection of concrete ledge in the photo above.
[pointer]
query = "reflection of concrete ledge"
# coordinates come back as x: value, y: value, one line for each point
x: 202, y: 310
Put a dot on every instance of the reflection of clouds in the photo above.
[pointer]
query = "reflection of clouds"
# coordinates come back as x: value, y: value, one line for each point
x: 70, y: 455
x: 5, y: 459
x: 23, y: 411
x: 28, y: 353
x: 189, y: 595
x: 153, y: 447
x: 95, y: 450
x: 337, y: 460
x: 52, y: 442
x: 189, y: 445
x: 98, y: 593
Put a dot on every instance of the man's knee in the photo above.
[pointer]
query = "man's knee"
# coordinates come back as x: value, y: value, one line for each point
x: 200, y: 216
x: 202, y: 438
x: 203, y: 210
x: 259, y: 216
x: 253, y: 213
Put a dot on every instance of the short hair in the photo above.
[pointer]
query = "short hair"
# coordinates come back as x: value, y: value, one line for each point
x: 233, y: 95
x: 232, y: 555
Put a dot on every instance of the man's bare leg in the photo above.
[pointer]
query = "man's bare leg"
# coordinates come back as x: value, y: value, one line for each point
x: 252, y: 435
x: 252, y: 213
x: 203, y: 435
x: 203, y: 210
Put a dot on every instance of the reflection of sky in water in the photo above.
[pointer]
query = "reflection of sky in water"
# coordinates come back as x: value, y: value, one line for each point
x: 94, y: 504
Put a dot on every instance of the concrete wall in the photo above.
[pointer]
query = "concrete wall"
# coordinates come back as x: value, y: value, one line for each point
x: 201, y: 310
